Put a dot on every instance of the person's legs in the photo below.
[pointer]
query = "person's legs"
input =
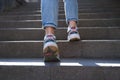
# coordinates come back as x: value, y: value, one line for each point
x: 49, y: 22
x: 49, y: 9
x: 71, y: 12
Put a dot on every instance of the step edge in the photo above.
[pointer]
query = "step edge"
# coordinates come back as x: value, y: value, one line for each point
x: 64, y: 62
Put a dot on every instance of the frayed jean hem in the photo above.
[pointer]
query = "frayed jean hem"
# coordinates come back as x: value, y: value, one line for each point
x: 49, y: 25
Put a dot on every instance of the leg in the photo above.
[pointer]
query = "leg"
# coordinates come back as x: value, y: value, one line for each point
x: 49, y: 22
x: 49, y: 10
x: 71, y: 12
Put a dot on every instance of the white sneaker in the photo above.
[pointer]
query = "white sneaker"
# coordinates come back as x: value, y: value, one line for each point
x: 50, y: 49
x: 73, y: 34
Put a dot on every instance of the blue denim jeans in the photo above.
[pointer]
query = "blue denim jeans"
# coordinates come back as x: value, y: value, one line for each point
x: 49, y: 10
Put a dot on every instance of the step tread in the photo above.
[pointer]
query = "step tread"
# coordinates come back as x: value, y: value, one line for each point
x: 62, y: 23
x: 39, y: 20
x: 64, y: 62
x: 59, y: 41
x: 84, y: 48
x: 86, y: 33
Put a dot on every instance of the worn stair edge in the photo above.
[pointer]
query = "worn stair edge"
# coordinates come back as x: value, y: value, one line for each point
x: 81, y: 10
x: 81, y: 49
x: 29, y: 9
x: 61, y: 22
x: 61, y: 6
x: 62, y: 11
x: 73, y: 69
x: 91, y: 33
x: 61, y: 16
x: 64, y: 62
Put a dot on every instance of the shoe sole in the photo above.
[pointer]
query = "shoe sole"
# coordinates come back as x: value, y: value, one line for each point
x: 74, y: 37
x: 51, y: 54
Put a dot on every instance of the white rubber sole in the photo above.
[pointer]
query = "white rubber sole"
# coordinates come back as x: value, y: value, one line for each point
x: 50, y: 44
x: 74, y: 37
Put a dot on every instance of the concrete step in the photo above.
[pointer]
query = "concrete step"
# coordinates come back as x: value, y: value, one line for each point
x: 108, y: 2
x: 97, y: 0
x: 94, y: 6
x: 81, y: 9
x: 97, y: 10
x: 87, y: 33
x: 81, y: 49
x: 81, y: 5
x: 73, y: 69
x: 20, y: 17
x: 109, y: 6
x: 61, y: 16
x: 82, y: 22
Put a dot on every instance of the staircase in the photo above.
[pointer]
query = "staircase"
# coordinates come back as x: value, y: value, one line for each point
x: 95, y: 57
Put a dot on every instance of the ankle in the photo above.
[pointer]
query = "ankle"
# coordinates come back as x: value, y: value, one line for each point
x: 49, y: 31
x: 72, y: 24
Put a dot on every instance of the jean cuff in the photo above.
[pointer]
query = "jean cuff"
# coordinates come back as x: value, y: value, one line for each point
x: 49, y: 24
x: 72, y: 19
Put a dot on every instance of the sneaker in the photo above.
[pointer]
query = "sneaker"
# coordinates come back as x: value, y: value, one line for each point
x: 50, y: 49
x: 73, y: 34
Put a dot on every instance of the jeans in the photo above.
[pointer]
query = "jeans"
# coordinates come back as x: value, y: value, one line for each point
x: 49, y: 13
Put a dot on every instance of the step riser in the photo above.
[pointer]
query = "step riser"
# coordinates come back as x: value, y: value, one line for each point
x: 82, y: 49
x: 62, y: 23
x: 81, y: 10
x: 38, y: 34
x: 108, y: 6
x: 80, y: 7
x: 86, y: 3
x: 55, y: 73
x: 62, y: 16
x: 62, y: 11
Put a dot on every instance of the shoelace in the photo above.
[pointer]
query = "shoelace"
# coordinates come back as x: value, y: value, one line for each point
x: 49, y: 38
x: 72, y: 30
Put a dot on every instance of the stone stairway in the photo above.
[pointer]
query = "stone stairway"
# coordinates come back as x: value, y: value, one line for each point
x: 95, y: 57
